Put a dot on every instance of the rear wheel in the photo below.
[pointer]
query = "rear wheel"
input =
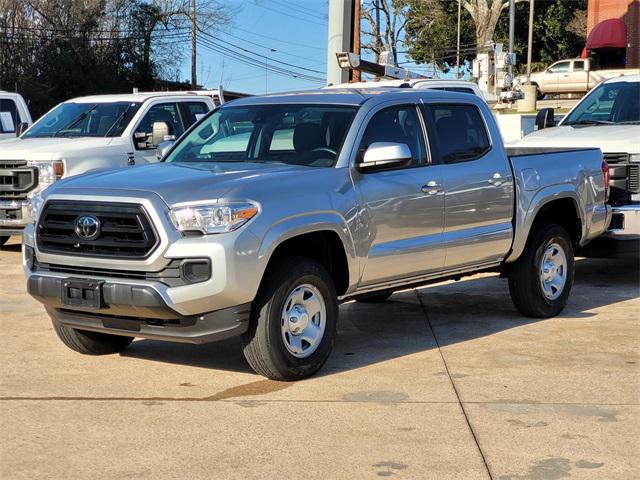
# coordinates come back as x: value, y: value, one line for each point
x: 91, y: 343
x: 3, y: 240
x: 294, y: 319
x: 541, y: 279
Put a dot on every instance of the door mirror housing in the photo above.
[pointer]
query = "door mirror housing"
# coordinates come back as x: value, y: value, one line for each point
x: 545, y: 118
x: 381, y: 155
x: 163, y: 148
x: 22, y: 127
x: 160, y: 133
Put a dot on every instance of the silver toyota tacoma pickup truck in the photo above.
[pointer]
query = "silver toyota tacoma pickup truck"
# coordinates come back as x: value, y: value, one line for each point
x: 272, y: 210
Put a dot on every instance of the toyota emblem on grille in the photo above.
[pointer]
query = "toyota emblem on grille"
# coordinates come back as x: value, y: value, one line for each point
x: 88, y: 227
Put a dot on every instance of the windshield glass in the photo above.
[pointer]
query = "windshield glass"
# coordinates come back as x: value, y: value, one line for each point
x: 85, y: 120
x: 609, y: 103
x: 309, y: 135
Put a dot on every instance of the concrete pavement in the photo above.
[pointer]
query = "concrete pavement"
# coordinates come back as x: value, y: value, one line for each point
x: 442, y: 382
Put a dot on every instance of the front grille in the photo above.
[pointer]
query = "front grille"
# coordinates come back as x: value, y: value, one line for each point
x: 16, y: 179
x: 625, y: 179
x: 169, y: 275
x: 125, y: 230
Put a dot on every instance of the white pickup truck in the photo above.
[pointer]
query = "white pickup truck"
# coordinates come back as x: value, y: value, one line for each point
x: 570, y: 76
x: 14, y: 114
x: 85, y: 134
x: 607, y: 118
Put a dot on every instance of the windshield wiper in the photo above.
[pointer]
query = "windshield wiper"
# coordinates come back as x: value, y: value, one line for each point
x: 75, y: 121
x: 590, y: 122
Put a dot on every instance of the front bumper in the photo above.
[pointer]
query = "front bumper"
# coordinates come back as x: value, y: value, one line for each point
x: 14, y: 216
x: 138, y: 311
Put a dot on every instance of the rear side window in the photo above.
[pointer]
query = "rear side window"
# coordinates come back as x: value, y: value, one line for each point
x: 458, y: 132
x: 9, y: 118
x: 192, y: 112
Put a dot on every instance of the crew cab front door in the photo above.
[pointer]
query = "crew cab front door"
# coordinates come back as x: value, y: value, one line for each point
x: 403, y: 208
x: 477, y: 183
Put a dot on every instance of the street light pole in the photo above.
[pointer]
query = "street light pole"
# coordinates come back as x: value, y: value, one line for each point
x: 512, y: 22
x: 194, y: 80
x: 458, y: 44
x: 530, y: 40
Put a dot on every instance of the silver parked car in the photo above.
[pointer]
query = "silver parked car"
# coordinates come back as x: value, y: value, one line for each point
x: 272, y: 210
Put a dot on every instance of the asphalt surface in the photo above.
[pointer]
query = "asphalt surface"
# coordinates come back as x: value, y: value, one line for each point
x: 445, y: 382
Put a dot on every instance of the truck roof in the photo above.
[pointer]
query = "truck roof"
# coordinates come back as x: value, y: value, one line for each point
x: 342, y: 96
x: 129, y: 97
x: 625, y: 78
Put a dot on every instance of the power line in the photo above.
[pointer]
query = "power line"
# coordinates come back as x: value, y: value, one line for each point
x: 260, y: 55
x: 280, y: 40
x: 289, y: 15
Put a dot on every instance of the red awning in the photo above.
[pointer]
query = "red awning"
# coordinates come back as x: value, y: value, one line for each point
x: 610, y: 33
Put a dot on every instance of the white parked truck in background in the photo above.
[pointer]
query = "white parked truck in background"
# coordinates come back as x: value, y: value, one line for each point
x: 570, y: 76
x: 85, y: 134
x: 14, y: 115
x: 607, y: 118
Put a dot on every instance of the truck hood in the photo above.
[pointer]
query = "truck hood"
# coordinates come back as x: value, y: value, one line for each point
x: 608, y: 138
x: 186, y: 182
x: 49, y: 148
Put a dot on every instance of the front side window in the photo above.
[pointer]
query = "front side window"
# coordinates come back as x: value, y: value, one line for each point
x: 9, y: 117
x: 459, y: 132
x: 397, y: 125
x: 162, y: 112
x: 308, y: 135
x: 85, y: 120
x: 559, y: 67
x: 608, y: 103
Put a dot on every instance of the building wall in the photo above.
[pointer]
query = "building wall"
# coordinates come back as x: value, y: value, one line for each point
x: 627, y: 10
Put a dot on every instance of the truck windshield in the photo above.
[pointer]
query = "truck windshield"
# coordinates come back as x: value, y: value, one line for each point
x: 308, y: 135
x: 85, y: 120
x: 610, y: 103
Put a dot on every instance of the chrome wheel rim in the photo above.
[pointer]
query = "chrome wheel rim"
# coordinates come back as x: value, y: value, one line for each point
x: 303, y: 320
x: 553, y: 271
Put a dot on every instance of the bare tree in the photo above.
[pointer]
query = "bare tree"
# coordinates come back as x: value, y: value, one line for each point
x: 485, y: 14
x: 385, y: 21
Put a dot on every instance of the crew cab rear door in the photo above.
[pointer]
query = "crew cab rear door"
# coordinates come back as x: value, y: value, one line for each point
x: 477, y: 183
x: 402, y: 207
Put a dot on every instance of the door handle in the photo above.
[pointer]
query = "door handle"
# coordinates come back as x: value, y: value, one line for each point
x: 431, y: 188
x: 496, y: 179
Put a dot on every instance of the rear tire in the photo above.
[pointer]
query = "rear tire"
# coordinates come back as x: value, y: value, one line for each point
x: 293, y: 321
x: 374, y: 297
x: 4, y: 240
x: 91, y: 343
x: 541, y: 279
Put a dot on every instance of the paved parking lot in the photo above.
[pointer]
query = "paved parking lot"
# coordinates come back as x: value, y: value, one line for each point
x: 443, y: 382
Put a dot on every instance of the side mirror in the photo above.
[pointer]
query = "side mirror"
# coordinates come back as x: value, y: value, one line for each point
x: 163, y: 148
x: 545, y: 118
x: 382, y: 155
x: 22, y: 127
x: 159, y: 133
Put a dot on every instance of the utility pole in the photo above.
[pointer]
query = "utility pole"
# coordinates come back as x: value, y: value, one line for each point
x: 355, y: 74
x: 530, y: 41
x: 378, y: 41
x: 512, y: 23
x: 458, y: 44
x: 194, y: 79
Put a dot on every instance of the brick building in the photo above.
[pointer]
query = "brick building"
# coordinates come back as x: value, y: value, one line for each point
x: 613, y: 33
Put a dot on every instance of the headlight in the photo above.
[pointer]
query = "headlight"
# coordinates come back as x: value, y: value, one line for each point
x: 36, y: 206
x: 214, y: 218
x: 48, y: 171
x: 634, y: 157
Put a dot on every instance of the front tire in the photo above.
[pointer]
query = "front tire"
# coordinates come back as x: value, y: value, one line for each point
x: 91, y: 343
x: 541, y: 279
x: 293, y: 321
